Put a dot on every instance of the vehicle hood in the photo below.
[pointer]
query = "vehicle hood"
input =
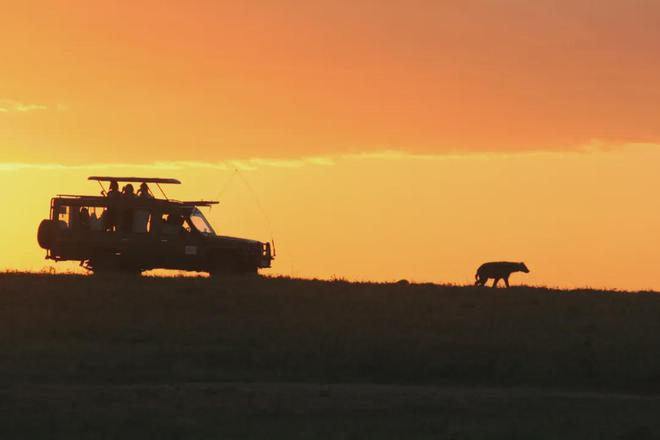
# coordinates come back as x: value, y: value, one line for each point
x: 226, y: 238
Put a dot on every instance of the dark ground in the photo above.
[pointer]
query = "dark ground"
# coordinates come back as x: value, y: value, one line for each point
x: 89, y: 357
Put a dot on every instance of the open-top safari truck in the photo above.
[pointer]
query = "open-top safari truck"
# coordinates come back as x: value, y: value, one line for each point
x: 132, y: 232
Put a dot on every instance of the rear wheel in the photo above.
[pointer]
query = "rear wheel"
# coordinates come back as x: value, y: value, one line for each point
x: 111, y: 265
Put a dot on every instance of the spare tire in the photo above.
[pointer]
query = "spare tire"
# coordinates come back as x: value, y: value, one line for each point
x: 46, y: 233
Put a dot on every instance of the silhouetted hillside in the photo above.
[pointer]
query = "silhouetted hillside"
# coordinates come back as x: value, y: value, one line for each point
x: 135, y: 358
x: 135, y: 330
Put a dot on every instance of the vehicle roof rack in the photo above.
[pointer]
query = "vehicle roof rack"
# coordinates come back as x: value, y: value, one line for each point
x: 199, y: 203
x: 157, y: 180
x: 141, y: 200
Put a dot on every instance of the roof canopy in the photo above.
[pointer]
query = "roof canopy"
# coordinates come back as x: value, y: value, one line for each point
x: 141, y: 201
x: 199, y: 203
x: 134, y: 179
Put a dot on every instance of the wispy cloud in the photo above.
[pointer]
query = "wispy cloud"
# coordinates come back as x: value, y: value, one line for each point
x: 11, y: 106
x: 240, y: 164
x: 19, y: 166
x: 255, y: 164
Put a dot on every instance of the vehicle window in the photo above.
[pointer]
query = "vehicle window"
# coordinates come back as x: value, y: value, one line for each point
x: 109, y: 219
x: 172, y: 224
x: 96, y: 219
x: 201, y: 224
x: 141, y: 221
x: 84, y: 218
x: 63, y: 216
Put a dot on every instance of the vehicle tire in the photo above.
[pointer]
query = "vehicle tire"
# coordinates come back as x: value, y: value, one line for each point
x: 222, y: 266
x: 105, y: 271
x: 46, y: 233
x: 248, y: 270
x: 107, y: 265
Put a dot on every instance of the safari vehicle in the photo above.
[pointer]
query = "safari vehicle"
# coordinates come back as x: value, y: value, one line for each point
x: 131, y: 233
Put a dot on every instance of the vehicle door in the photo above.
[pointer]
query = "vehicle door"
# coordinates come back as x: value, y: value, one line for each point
x: 178, y: 243
x: 136, y: 239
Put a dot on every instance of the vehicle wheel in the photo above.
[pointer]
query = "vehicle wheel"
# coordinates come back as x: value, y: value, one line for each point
x: 104, y: 271
x: 110, y: 266
x: 248, y: 270
x: 223, y: 266
x: 220, y: 268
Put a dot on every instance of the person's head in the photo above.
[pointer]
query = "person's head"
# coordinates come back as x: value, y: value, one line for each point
x: 114, y: 186
x: 129, y: 190
x: 174, y: 219
x: 144, y: 189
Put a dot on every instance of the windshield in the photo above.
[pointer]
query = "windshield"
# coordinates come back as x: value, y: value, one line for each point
x: 201, y: 224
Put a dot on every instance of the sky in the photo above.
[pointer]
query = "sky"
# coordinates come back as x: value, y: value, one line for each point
x: 382, y: 139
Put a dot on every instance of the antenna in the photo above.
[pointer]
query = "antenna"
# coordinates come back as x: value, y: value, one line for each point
x: 261, y: 209
x: 256, y: 200
x: 226, y: 184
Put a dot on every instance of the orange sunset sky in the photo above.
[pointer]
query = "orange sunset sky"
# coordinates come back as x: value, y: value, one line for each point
x: 384, y: 139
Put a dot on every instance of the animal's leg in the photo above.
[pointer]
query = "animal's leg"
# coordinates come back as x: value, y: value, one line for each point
x: 495, y: 281
x: 506, y: 281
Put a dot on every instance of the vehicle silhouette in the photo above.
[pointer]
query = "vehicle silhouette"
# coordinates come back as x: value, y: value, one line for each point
x: 132, y: 232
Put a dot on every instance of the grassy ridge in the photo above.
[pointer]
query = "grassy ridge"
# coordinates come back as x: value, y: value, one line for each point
x: 149, y: 330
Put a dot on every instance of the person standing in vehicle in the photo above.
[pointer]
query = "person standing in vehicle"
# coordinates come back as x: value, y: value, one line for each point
x: 141, y: 215
x: 144, y: 192
x: 109, y: 216
x: 114, y: 189
x: 128, y: 191
x: 127, y: 216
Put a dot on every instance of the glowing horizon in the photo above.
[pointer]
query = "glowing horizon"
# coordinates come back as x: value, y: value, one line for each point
x: 328, y: 222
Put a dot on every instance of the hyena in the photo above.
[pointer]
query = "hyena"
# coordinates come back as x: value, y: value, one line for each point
x: 498, y: 270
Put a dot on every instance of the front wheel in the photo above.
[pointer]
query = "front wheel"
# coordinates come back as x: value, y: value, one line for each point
x: 227, y: 266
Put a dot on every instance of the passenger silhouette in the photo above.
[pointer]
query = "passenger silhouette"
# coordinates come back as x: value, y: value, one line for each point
x: 173, y: 224
x: 127, y: 216
x: 109, y: 216
x: 144, y: 192
x: 83, y: 218
x: 128, y: 190
x: 114, y: 189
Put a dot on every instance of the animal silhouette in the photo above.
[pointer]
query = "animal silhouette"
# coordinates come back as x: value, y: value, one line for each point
x: 498, y: 270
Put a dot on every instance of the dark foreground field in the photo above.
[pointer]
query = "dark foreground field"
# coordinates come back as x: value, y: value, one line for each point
x: 87, y: 357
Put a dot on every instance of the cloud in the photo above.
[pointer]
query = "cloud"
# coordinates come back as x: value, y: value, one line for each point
x: 11, y: 106
x: 20, y: 166
x: 255, y: 164
x: 252, y: 164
